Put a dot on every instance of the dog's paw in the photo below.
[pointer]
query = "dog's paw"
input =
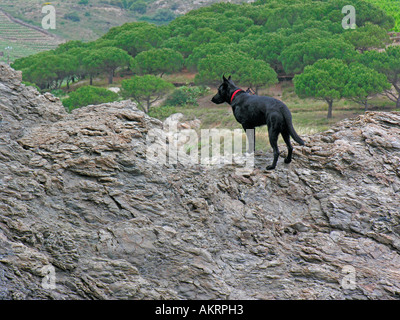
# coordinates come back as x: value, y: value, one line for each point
x: 288, y: 160
x: 270, y: 167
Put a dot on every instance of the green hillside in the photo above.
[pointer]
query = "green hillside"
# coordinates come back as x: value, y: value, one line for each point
x: 22, y: 39
x: 83, y: 20
x: 89, y: 19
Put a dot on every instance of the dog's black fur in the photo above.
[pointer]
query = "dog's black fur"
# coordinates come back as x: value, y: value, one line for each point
x: 253, y: 111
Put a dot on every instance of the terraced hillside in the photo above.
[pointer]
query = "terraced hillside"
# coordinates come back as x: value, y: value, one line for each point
x: 88, y: 20
x: 23, y: 39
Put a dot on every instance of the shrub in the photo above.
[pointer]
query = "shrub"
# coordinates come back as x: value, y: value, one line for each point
x: 185, y: 96
x: 73, y: 16
x: 139, y: 7
x: 29, y: 84
x: 162, y: 112
x: 88, y: 95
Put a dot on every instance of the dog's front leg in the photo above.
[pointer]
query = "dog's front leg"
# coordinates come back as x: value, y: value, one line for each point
x: 251, y: 139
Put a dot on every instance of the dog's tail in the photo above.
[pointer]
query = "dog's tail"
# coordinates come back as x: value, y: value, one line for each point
x: 288, y: 119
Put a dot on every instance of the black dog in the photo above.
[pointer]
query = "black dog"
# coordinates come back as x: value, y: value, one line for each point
x: 253, y: 111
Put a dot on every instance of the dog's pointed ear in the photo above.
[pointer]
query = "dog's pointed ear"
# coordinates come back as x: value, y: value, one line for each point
x: 230, y: 77
x: 223, y: 78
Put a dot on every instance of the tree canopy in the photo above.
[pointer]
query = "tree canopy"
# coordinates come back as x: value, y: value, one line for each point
x: 367, y: 37
x: 332, y: 79
x: 363, y: 83
x: 295, y: 57
x: 255, y: 43
x: 145, y: 90
x: 247, y: 71
x: 157, y: 61
x: 107, y: 59
x: 324, y: 80
x: 387, y: 63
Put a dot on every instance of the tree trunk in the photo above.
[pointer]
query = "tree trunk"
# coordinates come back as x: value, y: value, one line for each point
x: 91, y: 80
x: 110, y: 77
x: 398, y: 103
x: 148, y: 103
x: 330, y: 105
x: 366, y: 106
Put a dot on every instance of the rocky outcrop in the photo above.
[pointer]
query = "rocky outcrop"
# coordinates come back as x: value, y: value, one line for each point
x: 81, y: 205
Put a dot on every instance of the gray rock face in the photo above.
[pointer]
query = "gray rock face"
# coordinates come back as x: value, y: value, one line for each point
x: 81, y: 206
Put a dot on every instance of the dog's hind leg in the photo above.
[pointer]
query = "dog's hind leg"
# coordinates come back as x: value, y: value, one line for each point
x: 286, y: 138
x: 273, y: 140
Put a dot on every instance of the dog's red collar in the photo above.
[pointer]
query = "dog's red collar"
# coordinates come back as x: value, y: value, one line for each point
x: 234, y: 94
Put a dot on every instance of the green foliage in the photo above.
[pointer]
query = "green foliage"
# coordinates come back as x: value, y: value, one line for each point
x: 330, y: 11
x: 123, y: 4
x: 157, y: 61
x: 363, y: 83
x: 139, y: 7
x: 145, y: 90
x: 47, y: 69
x: 367, y: 37
x: 73, y: 16
x: 29, y: 84
x: 136, y: 37
x: 324, y: 80
x: 185, y: 96
x: 275, y: 23
x: 256, y: 74
x: 391, y: 7
x: 180, y: 44
x: 333, y: 79
x: 251, y: 42
x: 161, y: 16
x: 162, y: 112
x: 212, y: 67
x: 88, y: 95
x: 246, y: 70
x: 295, y: 57
x: 106, y: 60
x: 58, y: 93
x: 64, y: 47
x: 267, y: 47
x: 387, y: 63
x: 207, y: 49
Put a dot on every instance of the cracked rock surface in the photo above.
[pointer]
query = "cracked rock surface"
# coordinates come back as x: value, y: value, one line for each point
x: 78, y: 194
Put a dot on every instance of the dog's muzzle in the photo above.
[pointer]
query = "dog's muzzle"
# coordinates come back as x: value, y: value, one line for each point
x: 217, y: 99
